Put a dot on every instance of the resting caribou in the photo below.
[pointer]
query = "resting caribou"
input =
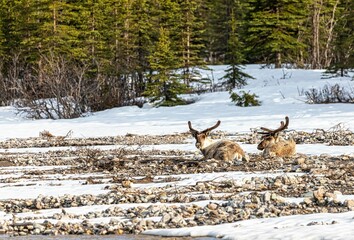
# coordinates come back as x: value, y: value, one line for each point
x: 273, y: 145
x: 221, y: 149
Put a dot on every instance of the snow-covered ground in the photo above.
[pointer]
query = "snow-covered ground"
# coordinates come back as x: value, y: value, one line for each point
x: 312, y: 226
x: 282, y: 94
x: 280, y: 97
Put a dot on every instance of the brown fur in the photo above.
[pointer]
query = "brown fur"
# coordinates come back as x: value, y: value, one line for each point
x: 273, y: 145
x: 224, y: 150
x: 277, y: 147
x: 220, y: 150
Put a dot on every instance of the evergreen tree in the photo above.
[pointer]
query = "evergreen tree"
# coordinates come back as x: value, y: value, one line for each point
x: 273, y: 29
x: 91, y: 25
x: 165, y: 83
x: 130, y: 34
x: 192, y: 26
x: 58, y: 32
x: 17, y: 28
x: 2, y: 20
x: 135, y: 44
x: 166, y: 15
x: 124, y: 48
x: 108, y: 32
x: 145, y: 18
x: 12, y: 64
x: 235, y: 77
x: 344, y: 41
x: 217, y: 15
x: 47, y: 26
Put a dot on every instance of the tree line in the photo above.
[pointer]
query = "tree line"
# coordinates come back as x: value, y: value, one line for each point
x: 63, y: 58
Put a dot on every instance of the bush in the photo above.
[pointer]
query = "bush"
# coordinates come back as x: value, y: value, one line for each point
x: 172, y: 102
x: 245, y: 100
x: 61, y: 93
x: 329, y: 94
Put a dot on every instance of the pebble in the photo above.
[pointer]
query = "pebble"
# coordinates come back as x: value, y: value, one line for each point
x: 262, y: 197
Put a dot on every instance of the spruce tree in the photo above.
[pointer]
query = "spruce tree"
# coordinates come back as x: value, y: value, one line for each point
x: 191, y: 29
x: 18, y: 27
x: 91, y: 29
x: 128, y: 44
x: 2, y: 21
x: 145, y: 18
x: 273, y: 30
x: 165, y: 83
x: 343, y: 61
x: 235, y: 77
x: 217, y: 15
x: 48, y: 26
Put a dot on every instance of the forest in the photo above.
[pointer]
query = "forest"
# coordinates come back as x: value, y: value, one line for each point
x: 66, y: 58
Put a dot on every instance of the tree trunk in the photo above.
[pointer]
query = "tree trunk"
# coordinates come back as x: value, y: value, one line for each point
x: 277, y: 60
x: 331, y: 24
x: 316, y: 63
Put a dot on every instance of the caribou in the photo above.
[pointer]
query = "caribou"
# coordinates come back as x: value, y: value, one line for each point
x: 273, y: 145
x: 217, y: 149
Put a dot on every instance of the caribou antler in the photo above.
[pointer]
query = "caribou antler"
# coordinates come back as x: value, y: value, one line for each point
x: 211, y: 128
x: 270, y: 132
x: 206, y: 131
x: 192, y: 130
x: 275, y: 146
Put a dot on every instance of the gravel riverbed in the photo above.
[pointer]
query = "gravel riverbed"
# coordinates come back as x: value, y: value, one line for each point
x: 66, y: 186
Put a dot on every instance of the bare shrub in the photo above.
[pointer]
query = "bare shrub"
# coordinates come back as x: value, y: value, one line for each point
x: 59, y: 91
x: 3, y: 86
x: 330, y: 94
x: 94, y: 159
x: 57, y: 87
x: 12, y: 68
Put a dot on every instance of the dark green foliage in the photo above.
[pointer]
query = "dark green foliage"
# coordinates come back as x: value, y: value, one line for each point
x: 2, y: 27
x: 343, y: 62
x: 217, y: 15
x: 115, y: 47
x: 165, y: 83
x: 191, y: 44
x: 245, y: 99
x: 235, y: 78
x: 273, y: 30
